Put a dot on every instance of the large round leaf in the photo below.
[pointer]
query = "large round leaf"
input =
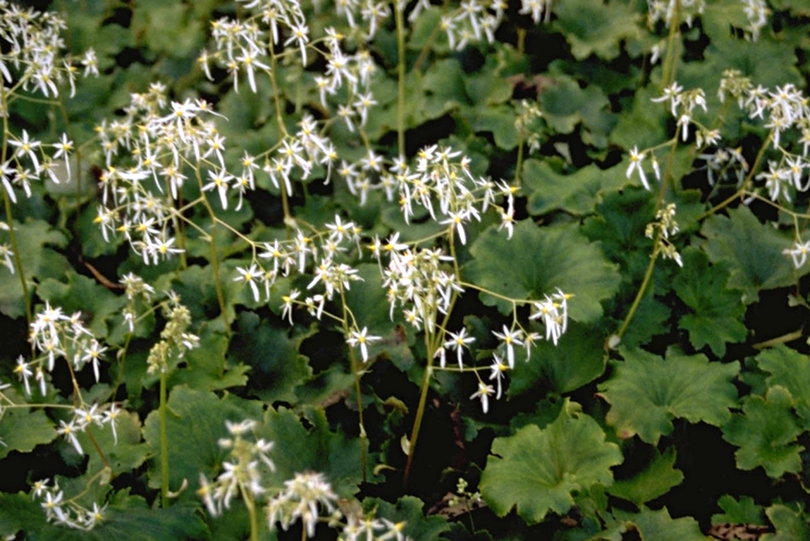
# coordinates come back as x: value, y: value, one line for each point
x: 539, y: 260
x: 539, y: 470
x: 646, y: 392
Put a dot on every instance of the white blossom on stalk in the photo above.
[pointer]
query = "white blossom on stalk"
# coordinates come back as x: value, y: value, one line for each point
x: 510, y: 338
x: 483, y: 393
x: 458, y: 341
x: 361, y: 338
x: 250, y: 276
x: 497, y: 370
x: 798, y: 253
x: 636, y: 158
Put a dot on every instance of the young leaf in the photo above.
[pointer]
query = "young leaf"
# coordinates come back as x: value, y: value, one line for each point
x: 539, y: 470
x: 742, y: 511
x: 752, y: 250
x: 790, y: 525
x: 654, y: 481
x: 766, y: 433
x: 789, y: 369
x: 646, y: 392
x: 718, y: 311
x: 536, y: 261
x: 23, y: 429
x: 577, y: 360
x: 660, y: 526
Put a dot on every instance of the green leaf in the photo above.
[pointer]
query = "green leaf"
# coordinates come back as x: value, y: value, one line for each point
x: 576, y: 194
x: 718, y: 311
x: 660, y: 526
x: 537, y: 261
x: 752, y: 251
x: 125, y: 455
x: 653, y: 481
x: 409, y: 510
x: 595, y: 27
x: 790, y: 525
x: 789, y: 369
x: 565, y: 104
x: 82, y: 294
x: 443, y: 88
x: 646, y: 392
x: 318, y: 449
x: 619, y: 225
x: 644, y: 125
x: 368, y: 302
x: 206, y: 367
x: 576, y: 360
x: 277, y: 366
x: 539, y: 470
x: 167, y: 28
x: 39, y: 261
x: 19, y: 513
x: 766, y: 433
x: 22, y: 429
x: 500, y: 120
x: 195, y: 422
x: 742, y: 511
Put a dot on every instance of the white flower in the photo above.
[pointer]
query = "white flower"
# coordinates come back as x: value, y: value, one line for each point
x: 249, y: 276
x: 635, y: 164
x: 510, y: 338
x: 361, y: 338
x: 458, y: 341
x: 483, y: 393
x: 498, y: 370
x: 288, y: 304
x: 799, y: 253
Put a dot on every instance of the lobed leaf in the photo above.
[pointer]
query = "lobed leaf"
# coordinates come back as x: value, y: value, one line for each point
x: 766, y: 433
x: 537, y: 261
x: 646, y: 392
x: 538, y: 471
x: 717, y: 310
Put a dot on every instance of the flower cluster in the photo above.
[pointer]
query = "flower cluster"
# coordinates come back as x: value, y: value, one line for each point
x: 56, y: 335
x: 303, y: 498
x: 32, y: 54
x: 175, y: 340
x: 418, y: 281
x: 443, y: 179
x: 32, y: 60
x: 159, y: 145
x: 783, y: 109
x: 243, y: 473
x: 67, y: 512
x: 661, y: 229
x: 307, y: 497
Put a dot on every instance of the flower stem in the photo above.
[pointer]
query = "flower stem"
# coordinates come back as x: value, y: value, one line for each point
x: 164, y: 443
x: 641, y: 290
x: 671, y: 59
x: 356, y: 371
x: 401, y: 78
x: 420, y: 410
x: 250, y: 503
x: 214, y: 257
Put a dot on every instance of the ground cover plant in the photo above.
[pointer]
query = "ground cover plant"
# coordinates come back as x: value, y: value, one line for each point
x: 274, y: 269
